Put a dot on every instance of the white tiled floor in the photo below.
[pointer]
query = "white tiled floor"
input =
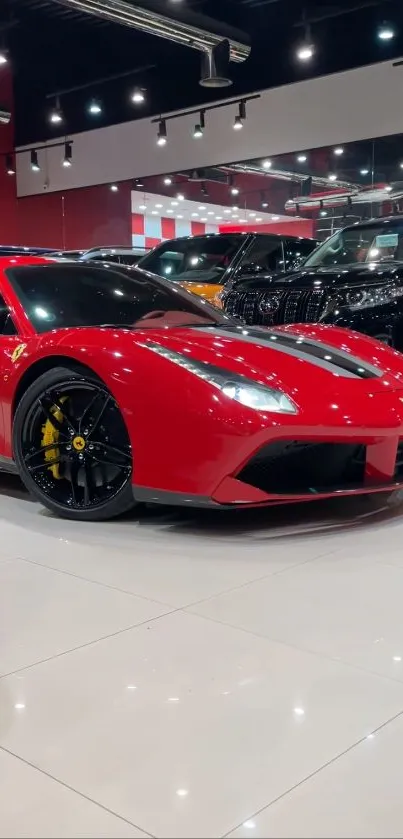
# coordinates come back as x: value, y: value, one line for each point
x: 202, y: 675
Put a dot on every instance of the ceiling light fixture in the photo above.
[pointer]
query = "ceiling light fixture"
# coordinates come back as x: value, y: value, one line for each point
x: 364, y: 172
x: 306, y: 49
x: 386, y: 32
x: 198, y: 130
x: 114, y: 188
x: 332, y: 177
x: 56, y: 115
x: 3, y: 57
x: 338, y: 151
x: 138, y: 96
x: 34, y: 161
x: 267, y: 164
x: 302, y: 158
x: 167, y: 181
x: 240, y: 119
x: 10, y: 166
x: 95, y: 107
x: 180, y: 196
x: 162, y: 133
x: 68, y: 155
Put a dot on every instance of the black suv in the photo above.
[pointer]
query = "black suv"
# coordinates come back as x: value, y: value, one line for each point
x: 354, y: 279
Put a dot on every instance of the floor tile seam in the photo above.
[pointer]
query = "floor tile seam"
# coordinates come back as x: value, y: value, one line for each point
x: 253, y: 580
x: 88, y: 644
x: 78, y: 792
x: 294, y: 647
x: 313, y: 774
x: 93, y: 582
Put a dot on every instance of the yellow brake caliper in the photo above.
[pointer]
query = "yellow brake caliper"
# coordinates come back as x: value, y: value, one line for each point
x: 51, y: 435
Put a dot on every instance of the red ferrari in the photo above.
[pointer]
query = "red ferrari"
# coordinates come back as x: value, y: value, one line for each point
x: 118, y: 387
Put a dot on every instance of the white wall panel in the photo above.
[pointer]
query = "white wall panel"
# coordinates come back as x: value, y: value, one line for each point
x: 340, y: 108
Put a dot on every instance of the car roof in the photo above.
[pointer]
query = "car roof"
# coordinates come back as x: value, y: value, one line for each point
x: 384, y: 221
x: 233, y: 234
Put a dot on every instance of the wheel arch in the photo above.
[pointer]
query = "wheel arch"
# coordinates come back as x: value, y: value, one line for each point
x: 43, y: 365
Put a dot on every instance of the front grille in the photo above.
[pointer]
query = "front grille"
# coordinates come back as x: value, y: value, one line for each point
x: 272, y: 308
x: 293, y: 467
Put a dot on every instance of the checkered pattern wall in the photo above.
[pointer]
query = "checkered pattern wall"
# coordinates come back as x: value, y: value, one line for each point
x: 148, y: 230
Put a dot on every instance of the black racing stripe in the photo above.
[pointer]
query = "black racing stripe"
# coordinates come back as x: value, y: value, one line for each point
x: 322, y: 355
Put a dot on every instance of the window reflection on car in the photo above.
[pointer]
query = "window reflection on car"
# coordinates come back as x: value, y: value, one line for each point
x: 375, y: 243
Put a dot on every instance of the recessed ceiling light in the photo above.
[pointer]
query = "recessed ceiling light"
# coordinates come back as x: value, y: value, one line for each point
x: 210, y: 213
x: 114, y: 187
x: 167, y: 181
x: 204, y: 219
x: 158, y: 206
x: 275, y: 218
x: 338, y: 151
x: 218, y: 218
x: 95, y: 107
x: 174, y: 203
x: 202, y: 207
x: 302, y: 158
x: 267, y: 164
x: 227, y: 212
x: 259, y: 219
x: 154, y: 212
x: 195, y: 215
x: 179, y: 216
x: 252, y: 215
x: 332, y: 177
x: 305, y: 52
x: 364, y: 171
x: 169, y: 211
x: 138, y: 96
x: 180, y: 197
x: 386, y: 32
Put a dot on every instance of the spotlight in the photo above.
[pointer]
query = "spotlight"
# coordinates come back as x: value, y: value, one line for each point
x: 364, y: 172
x: 167, y: 181
x: 162, y: 133
x: 34, y: 161
x: 386, y: 32
x: 199, y: 128
x: 56, y: 115
x: 302, y: 158
x: 267, y: 164
x: 234, y: 190
x: 332, y: 177
x: 338, y: 151
x: 139, y: 183
x: 180, y: 196
x: 138, y: 96
x: 197, y: 131
x: 95, y: 107
x: 10, y: 167
x: 240, y: 119
x: 3, y: 57
x: 114, y: 188
x: 306, y: 49
x: 68, y: 155
x: 323, y: 213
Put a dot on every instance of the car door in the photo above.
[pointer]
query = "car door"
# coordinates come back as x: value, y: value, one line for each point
x: 11, y: 347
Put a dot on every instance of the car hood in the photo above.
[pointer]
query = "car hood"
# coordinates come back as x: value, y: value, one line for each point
x: 358, y: 274
x: 304, y: 361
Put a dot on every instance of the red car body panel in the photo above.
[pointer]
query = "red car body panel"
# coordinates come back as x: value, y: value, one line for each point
x: 190, y: 441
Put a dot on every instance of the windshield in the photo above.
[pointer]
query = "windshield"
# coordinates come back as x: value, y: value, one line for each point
x: 377, y: 243
x: 57, y: 295
x: 204, y: 259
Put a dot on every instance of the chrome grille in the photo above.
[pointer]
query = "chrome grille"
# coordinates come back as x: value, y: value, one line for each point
x: 302, y: 306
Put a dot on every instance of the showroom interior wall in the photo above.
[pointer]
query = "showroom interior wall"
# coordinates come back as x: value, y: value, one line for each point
x: 8, y: 196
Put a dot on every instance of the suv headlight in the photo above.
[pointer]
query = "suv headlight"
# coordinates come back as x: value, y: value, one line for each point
x: 236, y: 387
x: 364, y: 298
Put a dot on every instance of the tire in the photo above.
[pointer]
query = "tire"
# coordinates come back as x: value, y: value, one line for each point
x: 75, y: 477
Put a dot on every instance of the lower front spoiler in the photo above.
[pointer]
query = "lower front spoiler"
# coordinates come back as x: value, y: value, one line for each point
x: 233, y: 494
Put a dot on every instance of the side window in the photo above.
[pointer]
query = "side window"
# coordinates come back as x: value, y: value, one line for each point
x: 266, y: 255
x: 6, y: 324
x: 296, y: 251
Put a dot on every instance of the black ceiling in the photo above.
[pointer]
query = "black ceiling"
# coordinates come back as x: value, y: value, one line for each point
x: 53, y: 49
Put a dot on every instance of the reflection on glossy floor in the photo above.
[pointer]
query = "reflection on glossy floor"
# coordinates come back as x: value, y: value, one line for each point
x: 202, y: 675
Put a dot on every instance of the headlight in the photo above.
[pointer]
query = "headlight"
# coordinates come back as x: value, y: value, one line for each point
x: 259, y: 398
x: 238, y: 388
x: 377, y: 296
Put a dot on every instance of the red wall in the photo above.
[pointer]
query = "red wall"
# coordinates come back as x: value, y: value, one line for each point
x: 78, y: 218
x: 8, y: 198
x: 305, y: 227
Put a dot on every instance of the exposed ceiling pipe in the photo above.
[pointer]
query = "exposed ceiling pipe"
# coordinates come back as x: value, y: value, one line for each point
x: 153, y: 23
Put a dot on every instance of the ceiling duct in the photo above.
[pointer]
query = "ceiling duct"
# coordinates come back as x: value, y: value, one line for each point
x: 220, y: 46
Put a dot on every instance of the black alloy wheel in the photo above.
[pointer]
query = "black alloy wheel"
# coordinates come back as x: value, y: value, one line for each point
x: 72, y: 447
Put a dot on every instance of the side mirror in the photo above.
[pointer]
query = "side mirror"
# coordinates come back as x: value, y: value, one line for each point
x: 251, y: 268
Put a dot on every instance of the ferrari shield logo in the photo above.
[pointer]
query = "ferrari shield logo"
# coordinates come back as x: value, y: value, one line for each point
x: 18, y: 352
